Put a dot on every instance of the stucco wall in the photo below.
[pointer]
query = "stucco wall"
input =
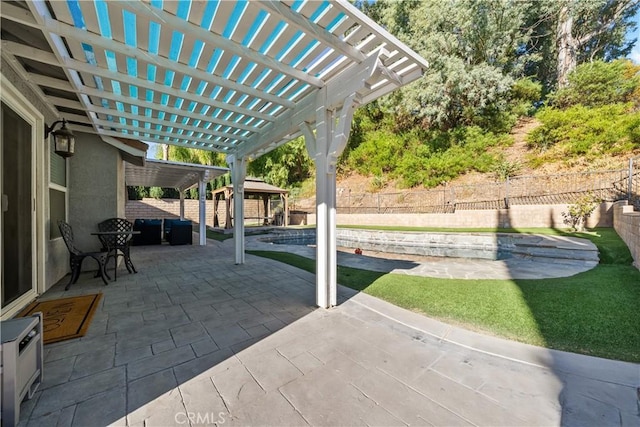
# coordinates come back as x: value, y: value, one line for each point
x: 627, y: 225
x: 95, y: 187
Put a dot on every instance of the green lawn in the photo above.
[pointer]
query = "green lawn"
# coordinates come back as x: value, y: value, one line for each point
x: 220, y: 237
x: 595, y: 312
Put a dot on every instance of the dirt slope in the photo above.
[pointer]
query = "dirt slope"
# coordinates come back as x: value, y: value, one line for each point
x: 518, y: 152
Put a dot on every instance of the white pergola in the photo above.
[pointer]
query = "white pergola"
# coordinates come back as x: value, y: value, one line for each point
x: 238, y: 77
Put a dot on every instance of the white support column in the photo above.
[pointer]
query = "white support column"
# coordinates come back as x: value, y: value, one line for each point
x: 182, y: 204
x: 202, y: 210
x: 332, y: 131
x: 238, y: 168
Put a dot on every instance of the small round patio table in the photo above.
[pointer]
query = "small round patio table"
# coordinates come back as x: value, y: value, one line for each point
x: 113, y: 247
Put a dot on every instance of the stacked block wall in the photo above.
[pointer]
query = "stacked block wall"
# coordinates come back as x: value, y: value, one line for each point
x: 627, y: 224
x: 149, y: 208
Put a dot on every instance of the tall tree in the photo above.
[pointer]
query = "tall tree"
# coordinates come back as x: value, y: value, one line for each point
x: 474, y: 51
x: 193, y: 155
x: 591, y: 29
x: 284, y: 166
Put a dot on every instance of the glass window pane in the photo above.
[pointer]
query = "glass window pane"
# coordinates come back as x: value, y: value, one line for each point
x: 57, y: 205
x: 58, y: 168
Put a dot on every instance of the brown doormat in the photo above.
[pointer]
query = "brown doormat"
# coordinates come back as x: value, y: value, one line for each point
x: 65, y: 318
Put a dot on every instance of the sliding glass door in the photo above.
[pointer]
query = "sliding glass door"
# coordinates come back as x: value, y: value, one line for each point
x: 17, y: 223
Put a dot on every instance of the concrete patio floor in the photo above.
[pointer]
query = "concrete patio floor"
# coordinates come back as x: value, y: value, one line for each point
x: 194, y: 339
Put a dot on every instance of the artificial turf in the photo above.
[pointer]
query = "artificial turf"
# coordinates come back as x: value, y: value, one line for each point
x: 594, y: 312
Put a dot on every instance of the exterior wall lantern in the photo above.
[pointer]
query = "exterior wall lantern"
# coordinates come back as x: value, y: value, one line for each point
x: 64, y: 141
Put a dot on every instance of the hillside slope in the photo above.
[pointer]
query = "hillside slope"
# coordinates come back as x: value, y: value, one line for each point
x: 518, y: 154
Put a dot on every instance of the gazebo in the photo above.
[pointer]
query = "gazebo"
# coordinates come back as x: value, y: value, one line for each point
x: 254, y: 188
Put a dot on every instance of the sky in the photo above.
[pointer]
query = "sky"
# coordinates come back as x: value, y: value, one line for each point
x: 151, y: 152
x: 635, y: 53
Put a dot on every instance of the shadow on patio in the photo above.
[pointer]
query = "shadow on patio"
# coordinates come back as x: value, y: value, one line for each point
x: 187, y: 312
x: 194, y: 339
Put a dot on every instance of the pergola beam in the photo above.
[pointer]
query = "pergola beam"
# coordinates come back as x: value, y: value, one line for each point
x: 177, y: 124
x: 375, y: 29
x: 69, y: 103
x: 18, y: 68
x: 350, y: 82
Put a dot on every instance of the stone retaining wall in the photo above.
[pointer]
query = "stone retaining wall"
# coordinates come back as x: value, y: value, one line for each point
x: 627, y: 225
x: 518, y: 216
x: 553, y: 249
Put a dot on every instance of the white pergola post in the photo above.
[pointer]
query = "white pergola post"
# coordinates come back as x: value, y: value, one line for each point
x: 238, y: 168
x: 332, y: 131
x: 202, y: 210
x: 335, y: 105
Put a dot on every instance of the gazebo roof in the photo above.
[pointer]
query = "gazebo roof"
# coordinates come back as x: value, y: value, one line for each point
x: 254, y: 185
x: 238, y: 77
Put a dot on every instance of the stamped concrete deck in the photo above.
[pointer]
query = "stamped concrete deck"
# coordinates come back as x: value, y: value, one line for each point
x: 193, y: 339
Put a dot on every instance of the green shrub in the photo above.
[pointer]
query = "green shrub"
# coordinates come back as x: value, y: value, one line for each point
x: 580, y: 211
x: 377, y: 183
x: 526, y: 90
x: 525, y: 93
x: 597, y: 84
x: 459, y: 150
x: 377, y: 154
x: 137, y: 192
x: 504, y: 169
x: 588, y: 132
x: 156, y: 192
x: 419, y: 157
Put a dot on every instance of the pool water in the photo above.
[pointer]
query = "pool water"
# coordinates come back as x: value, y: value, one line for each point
x: 456, y: 245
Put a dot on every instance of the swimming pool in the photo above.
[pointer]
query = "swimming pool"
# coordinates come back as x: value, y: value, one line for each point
x: 456, y: 245
x: 488, y: 246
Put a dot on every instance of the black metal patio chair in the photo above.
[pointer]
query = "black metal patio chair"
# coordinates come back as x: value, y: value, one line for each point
x: 118, y: 244
x: 76, y: 256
